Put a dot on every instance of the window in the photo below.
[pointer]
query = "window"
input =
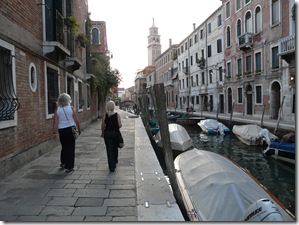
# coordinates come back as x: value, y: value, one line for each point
x: 186, y: 46
x: 211, y: 76
x: 248, y: 64
x: 275, y: 57
x: 238, y: 5
x: 220, y: 73
x: 247, y: 1
x: 209, y: 50
x: 228, y: 37
x: 80, y: 93
x: 258, y: 20
x: 229, y: 69
x: 209, y: 28
x: 52, y: 89
x: 203, y: 78
x: 10, y: 104
x: 248, y: 23
x: 196, y: 79
x: 195, y: 38
x: 239, y: 66
x: 240, y: 95
x: 32, y: 77
x: 258, y: 94
x: 187, y: 82
x: 197, y: 100
x: 201, y: 34
x: 88, y: 98
x: 95, y: 36
x: 227, y: 10
x: 219, y: 45
x: 239, y: 28
x: 219, y: 20
x: 275, y: 12
x: 258, y: 62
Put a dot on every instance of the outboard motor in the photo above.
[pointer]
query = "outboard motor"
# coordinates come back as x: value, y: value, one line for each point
x: 264, y: 134
x: 262, y: 210
x: 221, y: 128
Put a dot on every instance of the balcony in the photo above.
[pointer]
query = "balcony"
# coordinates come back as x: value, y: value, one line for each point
x: 287, y: 48
x: 72, y: 63
x: 55, y: 45
x: 186, y: 70
x: 245, y: 41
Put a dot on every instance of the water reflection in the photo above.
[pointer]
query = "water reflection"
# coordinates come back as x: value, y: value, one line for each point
x: 277, y: 176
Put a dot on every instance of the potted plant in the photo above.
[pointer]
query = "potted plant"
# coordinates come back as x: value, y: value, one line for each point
x: 82, y: 39
x: 200, y: 62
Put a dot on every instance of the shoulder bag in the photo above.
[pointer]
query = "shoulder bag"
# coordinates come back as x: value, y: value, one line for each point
x: 74, y: 130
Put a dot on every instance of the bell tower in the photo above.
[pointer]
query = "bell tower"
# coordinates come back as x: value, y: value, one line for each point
x: 154, y: 46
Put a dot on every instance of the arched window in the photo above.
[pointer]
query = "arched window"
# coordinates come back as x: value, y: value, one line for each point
x: 228, y: 37
x: 239, y: 28
x: 248, y: 23
x: 95, y: 36
x: 258, y: 20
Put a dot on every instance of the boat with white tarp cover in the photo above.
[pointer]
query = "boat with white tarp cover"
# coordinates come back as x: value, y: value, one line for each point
x: 215, y: 188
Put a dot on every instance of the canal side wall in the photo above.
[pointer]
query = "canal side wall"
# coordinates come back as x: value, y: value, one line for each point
x: 155, y: 200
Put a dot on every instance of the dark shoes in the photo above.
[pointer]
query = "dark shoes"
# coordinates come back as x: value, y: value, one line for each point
x: 69, y: 170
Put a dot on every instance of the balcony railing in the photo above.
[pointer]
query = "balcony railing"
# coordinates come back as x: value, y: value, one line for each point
x: 245, y: 40
x: 287, y: 45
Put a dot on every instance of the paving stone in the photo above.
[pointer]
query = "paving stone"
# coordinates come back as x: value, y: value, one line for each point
x: 92, y: 201
x: 62, y: 201
x: 90, y: 211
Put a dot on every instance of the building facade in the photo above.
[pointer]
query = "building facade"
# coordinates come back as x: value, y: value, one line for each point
x: 37, y: 64
x: 240, y: 60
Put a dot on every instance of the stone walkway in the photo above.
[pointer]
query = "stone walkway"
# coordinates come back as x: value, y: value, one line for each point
x: 42, y: 191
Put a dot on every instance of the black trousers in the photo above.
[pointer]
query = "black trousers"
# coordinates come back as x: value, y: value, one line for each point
x: 67, y: 140
x: 111, y: 142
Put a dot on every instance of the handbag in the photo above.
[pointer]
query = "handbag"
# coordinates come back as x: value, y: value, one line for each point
x: 74, y: 130
x: 120, y: 140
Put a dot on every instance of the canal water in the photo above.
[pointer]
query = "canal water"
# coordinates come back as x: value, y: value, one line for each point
x: 277, y: 176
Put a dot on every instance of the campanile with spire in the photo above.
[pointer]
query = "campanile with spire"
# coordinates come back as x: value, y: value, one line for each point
x: 154, y: 46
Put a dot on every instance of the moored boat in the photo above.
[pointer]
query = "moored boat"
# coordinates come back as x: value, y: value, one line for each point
x: 252, y: 134
x: 281, y: 151
x: 214, y: 188
x: 211, y: 126
x: 192, y: 120
x: 179, y: 138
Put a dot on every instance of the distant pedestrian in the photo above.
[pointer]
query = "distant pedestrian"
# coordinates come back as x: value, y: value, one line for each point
x: 111, y: 123
x: 209, y: 106
x: 65, y: 117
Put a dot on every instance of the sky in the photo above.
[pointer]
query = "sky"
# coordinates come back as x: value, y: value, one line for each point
x: 128, y: 23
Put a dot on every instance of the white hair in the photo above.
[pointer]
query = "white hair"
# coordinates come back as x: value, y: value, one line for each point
x: 110, y: 108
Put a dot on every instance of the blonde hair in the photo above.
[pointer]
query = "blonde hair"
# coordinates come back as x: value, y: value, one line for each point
x: 110, y: 108
x: 64, y: 99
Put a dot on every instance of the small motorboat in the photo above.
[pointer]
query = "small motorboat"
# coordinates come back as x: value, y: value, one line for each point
x: 252, y: 134
x: 179, y: 138
x: 211, y: 126
x: 281, y: 151
x: 172, y: 117
x: 189, y: 120
x: 216, y: 189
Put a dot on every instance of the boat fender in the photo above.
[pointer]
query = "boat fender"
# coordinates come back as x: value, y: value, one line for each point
x: 262, y: 210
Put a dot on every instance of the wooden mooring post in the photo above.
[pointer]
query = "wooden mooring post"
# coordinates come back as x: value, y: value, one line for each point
x: 160, y: 100
x: 279, y: 115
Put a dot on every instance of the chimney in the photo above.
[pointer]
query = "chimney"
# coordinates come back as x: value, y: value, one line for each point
x: 170, y: 42
x: 193, y: 26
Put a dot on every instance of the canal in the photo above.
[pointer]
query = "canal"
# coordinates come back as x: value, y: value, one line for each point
x: 277, y: 176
